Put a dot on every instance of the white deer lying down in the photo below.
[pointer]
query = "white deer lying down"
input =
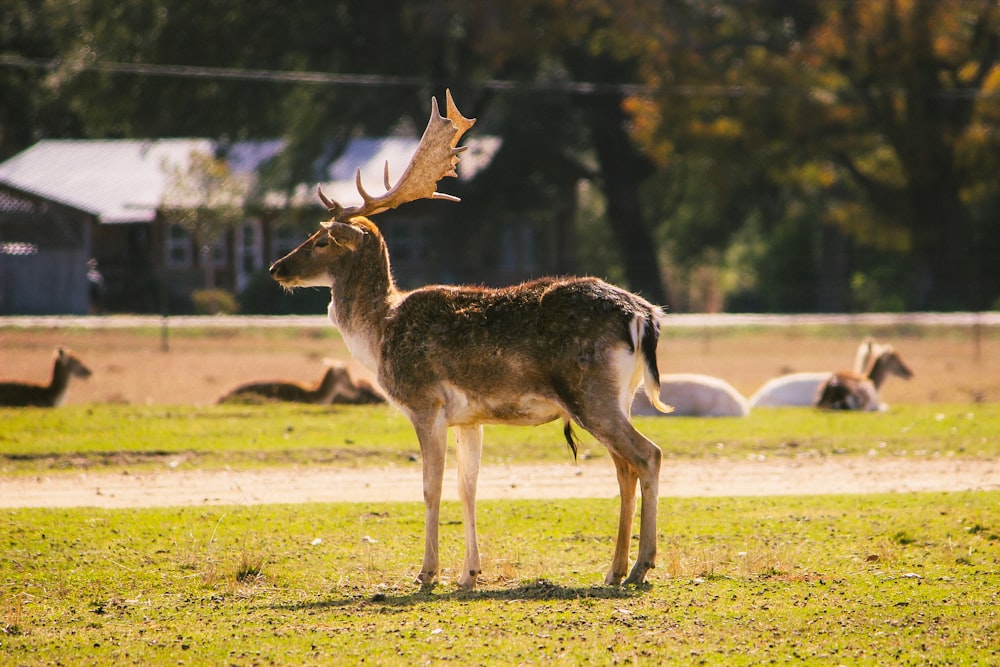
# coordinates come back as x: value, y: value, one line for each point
x: 695, y: 395
x: 853, y: 391
x: 801, y: 389
x: 573, y: 349
x: 27, y: 394
x: 336, y: 386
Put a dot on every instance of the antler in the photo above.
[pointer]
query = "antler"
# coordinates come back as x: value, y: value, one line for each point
x: 436, y: 157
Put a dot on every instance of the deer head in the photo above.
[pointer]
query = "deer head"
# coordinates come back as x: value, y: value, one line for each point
x: 436, y: 157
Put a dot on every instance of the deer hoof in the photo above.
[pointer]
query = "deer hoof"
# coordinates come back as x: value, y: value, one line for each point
x: 468, y: 580
x: 613, y: 578
x: 426, y: 578
x: 638, y: 575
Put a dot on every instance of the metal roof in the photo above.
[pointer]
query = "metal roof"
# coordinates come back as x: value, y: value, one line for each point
x: 117, y: 180
x: 125, y: 180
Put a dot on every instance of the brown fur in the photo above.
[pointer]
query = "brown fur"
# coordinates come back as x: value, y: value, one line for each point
x: 27, y: 394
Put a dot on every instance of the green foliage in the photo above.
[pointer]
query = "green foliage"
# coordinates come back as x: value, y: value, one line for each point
x: 740, y: 581
x: 876, y: 120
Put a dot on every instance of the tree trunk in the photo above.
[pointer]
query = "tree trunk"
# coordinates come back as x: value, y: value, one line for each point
x: 622, y: 169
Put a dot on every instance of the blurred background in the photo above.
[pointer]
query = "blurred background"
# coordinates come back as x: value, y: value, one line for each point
x: 730, y: 156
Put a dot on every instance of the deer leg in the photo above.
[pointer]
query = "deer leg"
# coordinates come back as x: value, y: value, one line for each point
x: 648, y: 467
x: 641, y: 459
x: 469, y: 448
x: 626, y: 486
x: 433, y: 436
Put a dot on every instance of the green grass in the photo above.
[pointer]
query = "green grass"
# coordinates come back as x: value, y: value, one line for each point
x: 110, y: 436
x: 902, y: 579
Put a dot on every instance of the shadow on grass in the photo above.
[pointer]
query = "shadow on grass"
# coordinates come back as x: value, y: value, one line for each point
x: 535, y: 590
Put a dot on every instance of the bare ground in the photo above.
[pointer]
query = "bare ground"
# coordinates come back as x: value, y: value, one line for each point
x: 130, y: 366
x: 719, y: 477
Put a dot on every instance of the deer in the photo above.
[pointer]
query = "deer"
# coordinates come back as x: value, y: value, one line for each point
x: 801, y: 389
x: 289, y: 390
x: 335, y: 386
x: 695, y: 395
x: 29, y: 394
x: 853, y: 391
x: 458, y: 357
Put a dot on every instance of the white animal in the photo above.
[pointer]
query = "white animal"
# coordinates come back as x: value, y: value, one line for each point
x: 802, y: 389
x: 695, y: 395
x: 793, y: 389
x: 457, y: 357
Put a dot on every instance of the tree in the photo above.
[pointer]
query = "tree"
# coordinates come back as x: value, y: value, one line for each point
x: 207, y: 199
x: 879, y: 118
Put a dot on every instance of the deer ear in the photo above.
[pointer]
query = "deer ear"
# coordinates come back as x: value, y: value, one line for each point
x: 345, y: 235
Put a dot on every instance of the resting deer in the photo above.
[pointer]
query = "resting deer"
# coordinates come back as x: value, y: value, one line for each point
x: 574, y: 349
x: 695, y: 395
x: 854, y: 391
x: 290, y: 391
x: 801, y: 389
x: 28, y: 394
x: 336, y: 386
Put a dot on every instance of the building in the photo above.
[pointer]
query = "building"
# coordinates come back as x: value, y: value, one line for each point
x: 68, y: 204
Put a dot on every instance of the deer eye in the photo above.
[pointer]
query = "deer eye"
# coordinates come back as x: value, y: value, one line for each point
x: 322, y: 242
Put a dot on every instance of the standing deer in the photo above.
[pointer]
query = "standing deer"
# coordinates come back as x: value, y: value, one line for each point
x: 574, y: 349
x: 28, y: 394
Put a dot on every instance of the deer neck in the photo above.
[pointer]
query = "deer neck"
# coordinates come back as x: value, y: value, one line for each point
x: 327, y: 384
x: 878, y: 372
x: 56, y: 391
x: 361, y: 296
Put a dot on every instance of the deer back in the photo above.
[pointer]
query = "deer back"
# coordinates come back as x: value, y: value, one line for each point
x: 548, y: 340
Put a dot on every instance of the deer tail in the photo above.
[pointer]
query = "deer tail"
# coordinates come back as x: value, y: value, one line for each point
x: 571, y: 438
x: 650, y: 336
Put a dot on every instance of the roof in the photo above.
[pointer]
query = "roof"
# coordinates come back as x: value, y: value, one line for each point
x: 126, y: 180
x: 114, y: 180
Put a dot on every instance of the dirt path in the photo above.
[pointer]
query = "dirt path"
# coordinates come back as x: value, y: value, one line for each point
x: 591, y: 479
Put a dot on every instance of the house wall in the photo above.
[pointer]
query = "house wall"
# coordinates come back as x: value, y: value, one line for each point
x: 44, y: 249
x: 45, y: 283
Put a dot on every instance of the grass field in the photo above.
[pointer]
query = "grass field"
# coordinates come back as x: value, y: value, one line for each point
x: 123, y: 437
x: 899, y: 579
x: 854, y: 579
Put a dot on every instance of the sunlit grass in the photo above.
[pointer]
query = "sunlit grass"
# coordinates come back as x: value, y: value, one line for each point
x: 902, y: 578
x: 112, y: 436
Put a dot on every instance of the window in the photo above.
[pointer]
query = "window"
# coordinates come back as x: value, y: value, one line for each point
x: 178, y: 247
x: 251, y: 253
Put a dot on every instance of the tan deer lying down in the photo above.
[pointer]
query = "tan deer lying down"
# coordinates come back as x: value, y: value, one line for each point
x: 573, y: 349
x: 27, y: 394
x: 336, y: 386
x: 853, y: 391
x: 695, y: 395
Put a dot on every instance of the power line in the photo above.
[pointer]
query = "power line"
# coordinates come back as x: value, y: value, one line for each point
x: 499, y: 85
x: 315, y: 78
